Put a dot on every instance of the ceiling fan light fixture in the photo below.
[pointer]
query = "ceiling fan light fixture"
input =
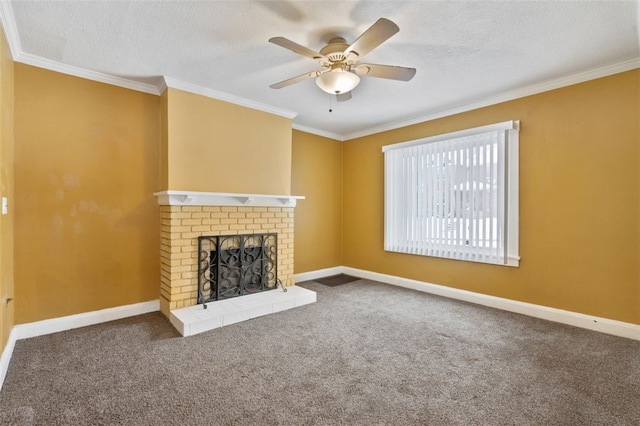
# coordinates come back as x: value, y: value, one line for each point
x: 337, y: 81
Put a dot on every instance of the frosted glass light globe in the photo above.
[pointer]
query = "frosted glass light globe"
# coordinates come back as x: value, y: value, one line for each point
x: 337, y: 81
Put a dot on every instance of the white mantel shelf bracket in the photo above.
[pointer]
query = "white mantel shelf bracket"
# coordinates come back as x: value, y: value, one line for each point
x: 191, y: 198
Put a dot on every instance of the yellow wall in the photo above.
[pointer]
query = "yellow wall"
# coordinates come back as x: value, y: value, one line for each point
x: 579, y: 201
x: 88, y: 156
x: 164, y: 141
x: 316, y: 173
x: 6, y: 190
x: 86, y: 165
x: 217, y: 146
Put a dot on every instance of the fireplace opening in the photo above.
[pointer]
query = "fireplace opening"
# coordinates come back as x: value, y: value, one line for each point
x: 236, y: 265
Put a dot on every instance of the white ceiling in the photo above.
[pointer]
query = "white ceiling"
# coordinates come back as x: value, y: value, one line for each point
x: 467, y: 53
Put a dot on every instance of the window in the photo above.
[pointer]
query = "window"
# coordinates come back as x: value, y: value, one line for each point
x: 454, y: 195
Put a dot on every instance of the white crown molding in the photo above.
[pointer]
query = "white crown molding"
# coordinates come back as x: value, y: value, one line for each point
x: 508, y: 96
x: 37, y: 61
x: 162, y: 86
x: 318, y: 132
x: 11, y: 32
x: 575, y: 319
x: 214, y: 94
x: 13, y: 39
x: 10, y: 28
x: 191, y: 198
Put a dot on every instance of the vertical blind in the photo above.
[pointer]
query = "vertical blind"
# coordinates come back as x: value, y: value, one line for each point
x: 448, y: 197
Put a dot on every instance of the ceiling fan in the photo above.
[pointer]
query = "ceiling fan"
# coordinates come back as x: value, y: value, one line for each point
x: 339, y: 73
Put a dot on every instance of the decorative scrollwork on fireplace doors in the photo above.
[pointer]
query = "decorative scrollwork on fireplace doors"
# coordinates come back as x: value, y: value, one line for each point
x: 236, y: 265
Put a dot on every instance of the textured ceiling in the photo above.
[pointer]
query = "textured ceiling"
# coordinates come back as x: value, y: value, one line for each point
x: 465, y: 52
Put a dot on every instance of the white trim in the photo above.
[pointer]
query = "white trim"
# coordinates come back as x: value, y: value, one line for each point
x: 162, y: 86
x: 512, y: 144
x: 37, y: 61
x: 5, y: 358
x: 55, y: 325
x: 13, y: 39
x: 191, y: 198
x: 10, y: 31
x: 504, y: 97
x: 317, y: 132
x: 638, y: 22
x: 398, y: 221
x: 602, y: 325
x: 589, y: 322
x: 505, y: 125
x: 214, y: 94
x: 320, y: 273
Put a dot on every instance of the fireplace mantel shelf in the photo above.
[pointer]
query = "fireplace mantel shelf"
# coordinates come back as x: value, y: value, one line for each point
x: 191, y: 198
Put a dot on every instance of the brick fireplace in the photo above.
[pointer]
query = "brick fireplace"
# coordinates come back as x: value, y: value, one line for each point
x: 185, y: 216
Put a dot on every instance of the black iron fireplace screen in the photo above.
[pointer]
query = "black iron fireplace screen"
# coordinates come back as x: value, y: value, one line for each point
x: 235, y: 265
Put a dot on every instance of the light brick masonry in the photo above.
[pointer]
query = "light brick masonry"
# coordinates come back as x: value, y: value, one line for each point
x: 182, y: 225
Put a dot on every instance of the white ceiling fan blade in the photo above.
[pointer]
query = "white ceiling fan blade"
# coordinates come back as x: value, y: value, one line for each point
x: 295, y: 47
x: 386, y: 71
x: 298, y: 79
x: 377, y: 34
x: 343, y: 97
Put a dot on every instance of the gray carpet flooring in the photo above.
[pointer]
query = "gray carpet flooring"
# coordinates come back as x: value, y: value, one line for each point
x: 364, y: 354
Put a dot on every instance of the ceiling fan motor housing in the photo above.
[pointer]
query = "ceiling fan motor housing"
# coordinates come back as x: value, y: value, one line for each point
x: 335, y: 49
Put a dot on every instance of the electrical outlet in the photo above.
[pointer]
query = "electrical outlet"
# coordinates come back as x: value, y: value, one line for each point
x: 5, y: 205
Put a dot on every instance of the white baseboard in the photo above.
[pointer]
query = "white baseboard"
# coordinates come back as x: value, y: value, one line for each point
x: 589, y: 322
x: 6, y: 356
x: 320, y: 273
x: 603, y: 325
x: 54, y: 325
